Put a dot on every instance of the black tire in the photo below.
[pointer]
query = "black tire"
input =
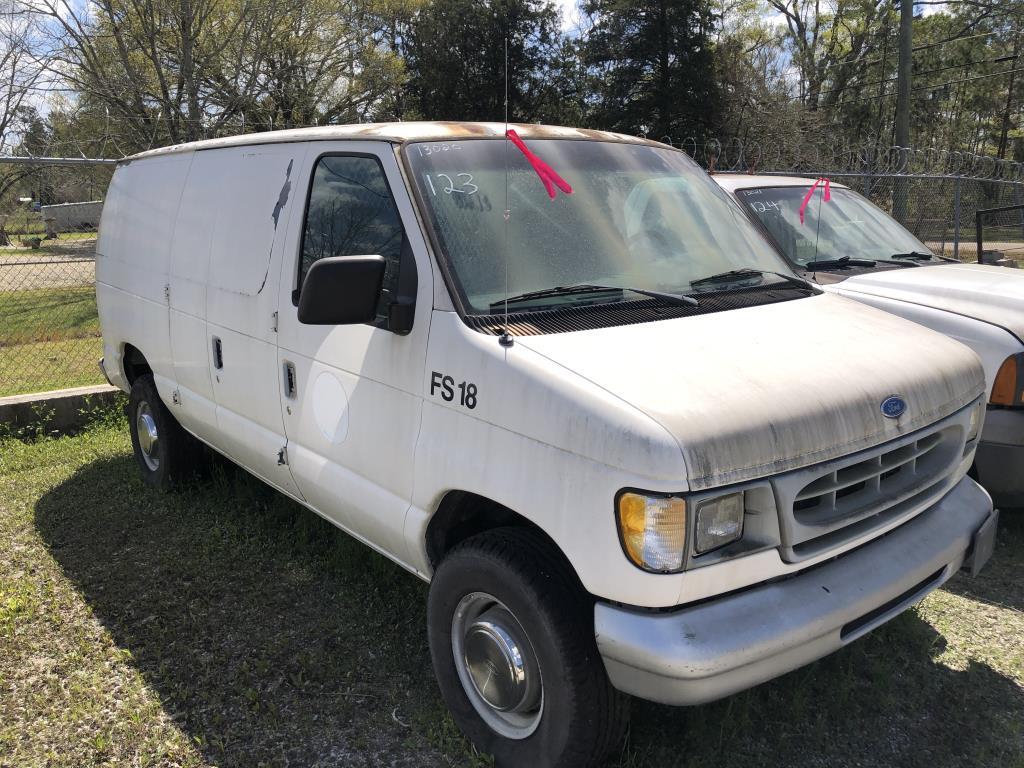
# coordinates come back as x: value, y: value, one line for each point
x: 582, y: 717
x: 174, y: 456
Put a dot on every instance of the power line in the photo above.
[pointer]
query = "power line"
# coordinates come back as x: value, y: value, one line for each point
x: 969, y: 79
x: 925, y: 46
x: 916, y: 48
x: 925, y: 72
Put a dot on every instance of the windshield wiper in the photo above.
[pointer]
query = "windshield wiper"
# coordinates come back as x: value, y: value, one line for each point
x: 677, y: 298
x: 842, y: 261
x: 895, y: 263
x: 728, y: 277
x: 914, y: 255
x: 735, y: 275
x: 584, y: 288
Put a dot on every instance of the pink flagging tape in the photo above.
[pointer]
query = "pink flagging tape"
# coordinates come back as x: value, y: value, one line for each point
x: 543, y: 170
x: 826, y: 185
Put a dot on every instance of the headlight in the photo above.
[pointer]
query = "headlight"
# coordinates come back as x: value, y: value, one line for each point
x: 719, y: 522
x: 1008, y: 388
x: 653, y: 530
x: 976, y: 418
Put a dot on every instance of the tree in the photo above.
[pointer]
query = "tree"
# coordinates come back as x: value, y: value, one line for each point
x: 651, y: 66
x: 751, y: 67
x: 188, y: 69
x: 827, y: 43
x: 21, y: 73
x: 455, y: 58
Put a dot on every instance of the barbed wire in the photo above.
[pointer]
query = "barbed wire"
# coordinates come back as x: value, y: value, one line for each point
x: 753, y: 155
x: 733, y: 155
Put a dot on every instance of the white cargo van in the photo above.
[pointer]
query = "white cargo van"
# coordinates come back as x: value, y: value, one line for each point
x: 555, y: 376
x: 853, y: 248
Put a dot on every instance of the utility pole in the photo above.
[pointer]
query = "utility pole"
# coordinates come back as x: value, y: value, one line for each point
x: 899, y: 202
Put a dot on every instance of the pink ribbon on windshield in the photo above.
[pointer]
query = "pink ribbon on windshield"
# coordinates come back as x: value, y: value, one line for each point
x: 807, y: 198
x: 542, y: 169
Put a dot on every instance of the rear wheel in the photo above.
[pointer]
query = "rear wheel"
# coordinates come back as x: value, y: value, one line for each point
x: 166, y: 454
x: 512, y: 642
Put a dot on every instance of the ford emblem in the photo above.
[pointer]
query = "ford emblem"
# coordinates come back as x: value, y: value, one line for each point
x: 893, y: 407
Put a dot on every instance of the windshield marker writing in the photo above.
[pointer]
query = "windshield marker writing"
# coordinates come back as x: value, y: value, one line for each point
x: 542, y: 169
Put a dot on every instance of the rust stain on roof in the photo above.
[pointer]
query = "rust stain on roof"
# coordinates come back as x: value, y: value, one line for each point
x: 399, y: 133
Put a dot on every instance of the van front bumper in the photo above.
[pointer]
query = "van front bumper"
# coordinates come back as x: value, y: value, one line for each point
x: 1000, y: 456
x: 721, y: 646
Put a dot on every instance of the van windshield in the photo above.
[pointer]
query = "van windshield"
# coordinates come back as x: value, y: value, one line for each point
x: 638, y: 217
x: 845, y: 226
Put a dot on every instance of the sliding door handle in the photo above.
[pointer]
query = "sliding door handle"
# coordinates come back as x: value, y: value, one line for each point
x: 218, y: 353
x: 290, y: 385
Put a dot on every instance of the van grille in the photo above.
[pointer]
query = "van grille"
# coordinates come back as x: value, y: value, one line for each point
x: 835, y: 502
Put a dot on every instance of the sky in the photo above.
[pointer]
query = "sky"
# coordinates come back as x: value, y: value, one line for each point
x: 570, y: 13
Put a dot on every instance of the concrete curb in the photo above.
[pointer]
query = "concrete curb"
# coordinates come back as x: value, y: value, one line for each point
x: 56, y: 411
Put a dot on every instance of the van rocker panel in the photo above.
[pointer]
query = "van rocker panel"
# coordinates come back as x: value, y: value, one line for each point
x: 725, y: 645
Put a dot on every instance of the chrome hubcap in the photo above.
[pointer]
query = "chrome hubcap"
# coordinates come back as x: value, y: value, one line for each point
x: 497, y: 665
x: 149, y: 440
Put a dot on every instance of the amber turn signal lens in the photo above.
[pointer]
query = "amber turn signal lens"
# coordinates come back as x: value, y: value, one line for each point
x: 653, y: 530
x: 1007, y: 387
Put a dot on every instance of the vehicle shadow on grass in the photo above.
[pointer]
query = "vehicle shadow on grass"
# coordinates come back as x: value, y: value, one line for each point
x: 274, y: 639
x: 1002, y: 582
x: 879, y: 703
x: 270, y: 637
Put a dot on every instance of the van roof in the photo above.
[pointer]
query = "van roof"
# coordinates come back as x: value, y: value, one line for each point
x: 734, y: 181
x: 398, y: 133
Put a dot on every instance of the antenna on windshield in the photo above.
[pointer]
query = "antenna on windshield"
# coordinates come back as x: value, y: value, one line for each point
x: 506, y: 339
x: 826, y: 187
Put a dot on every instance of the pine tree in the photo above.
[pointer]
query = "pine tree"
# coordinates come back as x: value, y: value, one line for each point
x: 454, y: 56
x: 652, y: 67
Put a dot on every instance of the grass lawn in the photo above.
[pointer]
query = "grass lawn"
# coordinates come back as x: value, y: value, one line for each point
x: 48, y: 314
x: 49, y: 365
x: 49, y: 339
x: 227, y: 626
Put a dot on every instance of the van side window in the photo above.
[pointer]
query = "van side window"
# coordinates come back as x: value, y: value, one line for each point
x: 351, y: 213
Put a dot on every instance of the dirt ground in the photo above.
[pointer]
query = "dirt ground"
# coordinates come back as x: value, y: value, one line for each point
x: 58, y: 265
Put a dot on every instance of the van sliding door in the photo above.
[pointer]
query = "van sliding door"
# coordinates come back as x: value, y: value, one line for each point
x: 258, y: 190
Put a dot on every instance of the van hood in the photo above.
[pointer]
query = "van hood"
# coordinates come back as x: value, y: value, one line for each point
x: 751, y: 392
x: 991, y: 294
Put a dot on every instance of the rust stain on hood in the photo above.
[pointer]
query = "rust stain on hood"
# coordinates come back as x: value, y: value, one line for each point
x: 752, y: 392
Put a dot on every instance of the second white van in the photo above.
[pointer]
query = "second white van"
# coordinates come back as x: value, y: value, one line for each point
x: 853, y: 248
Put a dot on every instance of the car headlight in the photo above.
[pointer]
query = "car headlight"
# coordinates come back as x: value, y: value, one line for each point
x: 974, y: 427
x: 652, y: 528
x: 719, y: 522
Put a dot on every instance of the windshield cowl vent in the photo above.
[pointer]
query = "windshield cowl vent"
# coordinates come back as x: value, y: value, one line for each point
x: 585, y: 317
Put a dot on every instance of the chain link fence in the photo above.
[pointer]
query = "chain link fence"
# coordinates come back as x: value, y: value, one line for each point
x: 1000, y: 233
x: 941, y: 210
x: 49, y: 330
x: 935, y: 194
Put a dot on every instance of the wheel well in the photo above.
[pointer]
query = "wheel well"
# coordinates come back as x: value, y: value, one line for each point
x: 462, y: 514
x: 134, y: 364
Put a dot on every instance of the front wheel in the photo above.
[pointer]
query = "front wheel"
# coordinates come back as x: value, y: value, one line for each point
x: 166, y: 454
x: 512, y: 642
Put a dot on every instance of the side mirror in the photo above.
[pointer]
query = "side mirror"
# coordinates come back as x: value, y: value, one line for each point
x: 341, y: 290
